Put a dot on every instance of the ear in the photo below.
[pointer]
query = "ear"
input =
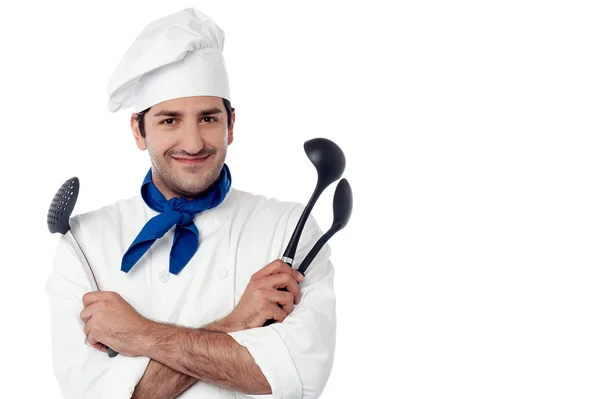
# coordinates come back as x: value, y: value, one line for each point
x: 230, y: 133
x: 135, y: 129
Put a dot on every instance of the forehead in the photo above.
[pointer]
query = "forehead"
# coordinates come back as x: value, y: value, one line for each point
x: 189, y: 104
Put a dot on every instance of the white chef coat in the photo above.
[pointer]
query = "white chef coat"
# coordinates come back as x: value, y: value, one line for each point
x: 237, y: 238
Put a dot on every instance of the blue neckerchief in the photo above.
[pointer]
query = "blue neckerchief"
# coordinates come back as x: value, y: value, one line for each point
x: 176, y: 211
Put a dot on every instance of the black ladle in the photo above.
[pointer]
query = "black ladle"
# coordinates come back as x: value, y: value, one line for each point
x: 342, y: 209
x: 330, y: 162
x: 59, y: 213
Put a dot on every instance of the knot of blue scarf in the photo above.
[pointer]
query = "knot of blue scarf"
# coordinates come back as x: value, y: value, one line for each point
x: 176, y: 211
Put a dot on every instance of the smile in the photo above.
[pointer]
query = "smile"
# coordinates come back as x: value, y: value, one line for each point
x: 191, y: 161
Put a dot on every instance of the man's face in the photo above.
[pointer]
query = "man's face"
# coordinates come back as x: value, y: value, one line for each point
x: 187, y: 140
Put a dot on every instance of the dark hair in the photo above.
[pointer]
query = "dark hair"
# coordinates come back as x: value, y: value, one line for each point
x: 228, y: 108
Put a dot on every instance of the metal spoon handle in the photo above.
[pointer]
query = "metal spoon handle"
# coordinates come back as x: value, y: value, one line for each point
x: 90, y: 275
x: 83, y: 260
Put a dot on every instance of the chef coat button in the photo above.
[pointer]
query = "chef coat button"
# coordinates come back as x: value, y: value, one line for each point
x: 222, y: 273
x: 164, y: 276
x: 223, y: 218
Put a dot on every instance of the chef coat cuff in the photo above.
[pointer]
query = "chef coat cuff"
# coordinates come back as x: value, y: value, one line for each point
x: 272, y: 356
x: 124, y: 374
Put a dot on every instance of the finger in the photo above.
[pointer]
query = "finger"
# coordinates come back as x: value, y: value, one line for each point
x: 100, y: 347
x: 87, y: 328
x: 299, y: 276
x: 87, y: 312
x: 92, y: 297
x: 277, y: 313
x: 97, y: 296
x: 279, y: 280
x: 91, y: 340
x: 284, y: 281
x: 277, y: 266
x: 284, y: 298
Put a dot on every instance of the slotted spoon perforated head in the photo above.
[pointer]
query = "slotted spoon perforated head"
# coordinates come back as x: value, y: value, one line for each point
x: 62, y: 206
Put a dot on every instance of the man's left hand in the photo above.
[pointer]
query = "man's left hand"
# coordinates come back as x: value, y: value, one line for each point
x: 111, y: 320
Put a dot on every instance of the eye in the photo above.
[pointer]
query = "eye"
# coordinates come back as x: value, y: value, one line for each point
x: 209, y: 119
x: 168, y: 124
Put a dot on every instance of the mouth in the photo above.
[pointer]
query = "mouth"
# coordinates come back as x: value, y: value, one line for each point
x: 192, y: 161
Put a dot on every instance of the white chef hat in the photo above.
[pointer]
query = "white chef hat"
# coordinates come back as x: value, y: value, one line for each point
x: 179, y: 55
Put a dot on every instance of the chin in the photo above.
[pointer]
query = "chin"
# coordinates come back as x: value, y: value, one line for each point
x: 198, y: 184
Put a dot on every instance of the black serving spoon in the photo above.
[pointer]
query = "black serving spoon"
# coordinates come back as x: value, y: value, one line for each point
x: 59, y: 213
x: 330, y: 162
x: 342, y: 209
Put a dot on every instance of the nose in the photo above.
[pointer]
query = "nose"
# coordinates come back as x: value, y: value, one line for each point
x: 191, y: 138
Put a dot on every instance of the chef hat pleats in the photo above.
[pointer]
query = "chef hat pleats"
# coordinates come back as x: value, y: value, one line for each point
x: 180, y: 55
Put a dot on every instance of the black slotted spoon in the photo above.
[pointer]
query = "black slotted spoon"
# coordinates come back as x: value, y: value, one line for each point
x: 59, y: 213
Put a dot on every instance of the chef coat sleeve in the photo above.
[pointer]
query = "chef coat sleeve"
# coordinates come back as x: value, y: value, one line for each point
x: 296, y: 356
x: 81, y: 370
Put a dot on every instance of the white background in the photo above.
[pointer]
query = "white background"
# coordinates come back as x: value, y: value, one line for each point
x: 471, y: 264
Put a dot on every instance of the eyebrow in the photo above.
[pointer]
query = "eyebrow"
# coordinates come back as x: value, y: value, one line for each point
x: 177, y: 114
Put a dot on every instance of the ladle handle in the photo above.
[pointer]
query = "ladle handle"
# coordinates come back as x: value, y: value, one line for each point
x: 290, y: 250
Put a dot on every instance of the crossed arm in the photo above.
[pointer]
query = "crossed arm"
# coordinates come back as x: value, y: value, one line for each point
x: 295, y: 357
x: 160, y: 381
x: 184, y: 356
x: 179, y: 355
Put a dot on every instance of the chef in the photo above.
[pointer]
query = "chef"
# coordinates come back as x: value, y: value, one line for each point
x: 188, y: 271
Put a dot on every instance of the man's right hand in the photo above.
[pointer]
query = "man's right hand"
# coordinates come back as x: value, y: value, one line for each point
x: 261, y: 299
